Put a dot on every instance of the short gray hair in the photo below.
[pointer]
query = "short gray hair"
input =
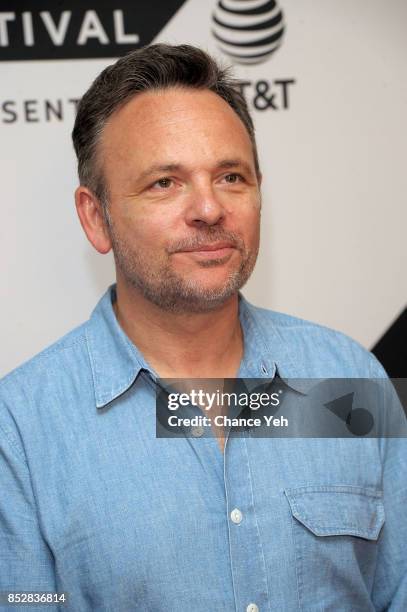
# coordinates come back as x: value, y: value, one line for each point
x: 158, y: 66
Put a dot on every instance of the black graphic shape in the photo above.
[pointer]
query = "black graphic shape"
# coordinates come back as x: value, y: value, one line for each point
x: 358, y: 421
x: 341, y: 406
x: 77, y: 29
x: 391, y: 349
x: 251, y: 34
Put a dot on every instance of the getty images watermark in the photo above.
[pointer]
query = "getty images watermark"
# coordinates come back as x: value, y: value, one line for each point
x: 210, y: 401
x: 299, y: 408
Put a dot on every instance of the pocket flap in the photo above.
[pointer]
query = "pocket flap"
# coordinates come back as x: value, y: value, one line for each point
x: 338, y: 510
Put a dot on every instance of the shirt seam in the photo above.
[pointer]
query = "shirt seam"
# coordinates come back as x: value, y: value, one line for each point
x: 40, y: 357
x: 23, y: 462
x: 14, y: 445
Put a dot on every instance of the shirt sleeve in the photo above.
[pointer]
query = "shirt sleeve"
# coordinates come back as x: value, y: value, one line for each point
x: 390, y: 585
x: 26, y: 562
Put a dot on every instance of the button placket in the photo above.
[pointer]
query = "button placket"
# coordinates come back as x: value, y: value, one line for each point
x: 247, y: 558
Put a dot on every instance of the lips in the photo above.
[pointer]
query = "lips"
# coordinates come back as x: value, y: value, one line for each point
x: 214, y: 246
x: 219, y: 252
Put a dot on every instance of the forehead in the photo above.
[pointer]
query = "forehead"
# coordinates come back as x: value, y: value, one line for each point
x: 174, y: 122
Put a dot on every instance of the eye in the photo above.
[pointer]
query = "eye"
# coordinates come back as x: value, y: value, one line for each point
x: 163, y: 183
x: 234, y: 178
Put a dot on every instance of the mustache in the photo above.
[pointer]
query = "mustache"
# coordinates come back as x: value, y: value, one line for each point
x: 209, y: 235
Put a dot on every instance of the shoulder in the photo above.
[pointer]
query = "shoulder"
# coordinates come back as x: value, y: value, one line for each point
x: 316, y: 349
x: 48, y: 369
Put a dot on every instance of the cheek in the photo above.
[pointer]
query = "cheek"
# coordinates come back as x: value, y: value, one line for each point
x: 249, y: 223
x: 150, y: 231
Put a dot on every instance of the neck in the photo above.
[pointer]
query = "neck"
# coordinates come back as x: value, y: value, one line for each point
x: 183, y: 345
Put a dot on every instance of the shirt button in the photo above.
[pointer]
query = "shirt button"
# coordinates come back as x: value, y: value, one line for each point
x: 252, y: 608
x: 236, y: 516
x: 197, y: 432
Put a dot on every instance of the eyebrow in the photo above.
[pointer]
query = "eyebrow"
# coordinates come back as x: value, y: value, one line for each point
x: 235, y: 163
x: 166, y: 168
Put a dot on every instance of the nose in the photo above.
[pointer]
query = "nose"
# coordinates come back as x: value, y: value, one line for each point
x: 204, y: 207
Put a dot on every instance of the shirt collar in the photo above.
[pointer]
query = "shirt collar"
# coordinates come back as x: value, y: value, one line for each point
x: 267, y: 352
x: 116, y: 362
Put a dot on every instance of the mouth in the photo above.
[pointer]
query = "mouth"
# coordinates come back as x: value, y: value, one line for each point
x: 217, y: 250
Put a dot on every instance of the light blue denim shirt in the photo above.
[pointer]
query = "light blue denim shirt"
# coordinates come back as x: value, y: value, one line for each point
x: 94, y: 505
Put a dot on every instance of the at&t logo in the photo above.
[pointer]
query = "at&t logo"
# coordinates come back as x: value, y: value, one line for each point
x: 248, y: 31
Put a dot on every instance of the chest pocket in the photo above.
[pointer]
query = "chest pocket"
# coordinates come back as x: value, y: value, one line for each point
x: 335, y: 531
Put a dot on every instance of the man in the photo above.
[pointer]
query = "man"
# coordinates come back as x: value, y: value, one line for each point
x: 95, y: 505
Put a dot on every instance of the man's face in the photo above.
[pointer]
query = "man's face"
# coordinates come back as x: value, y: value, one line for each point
x: 184, y: 203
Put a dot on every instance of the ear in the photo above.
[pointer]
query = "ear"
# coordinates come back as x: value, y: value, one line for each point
x: 90, y: 214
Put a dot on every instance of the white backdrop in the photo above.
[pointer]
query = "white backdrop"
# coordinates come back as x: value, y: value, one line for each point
x: 334, y: 164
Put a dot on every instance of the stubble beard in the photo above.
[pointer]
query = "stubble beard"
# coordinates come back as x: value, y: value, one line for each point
x: 171, y: 292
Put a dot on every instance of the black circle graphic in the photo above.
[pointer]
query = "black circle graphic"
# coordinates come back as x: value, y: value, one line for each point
x: 248, y: 31
x: 359, y: 422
